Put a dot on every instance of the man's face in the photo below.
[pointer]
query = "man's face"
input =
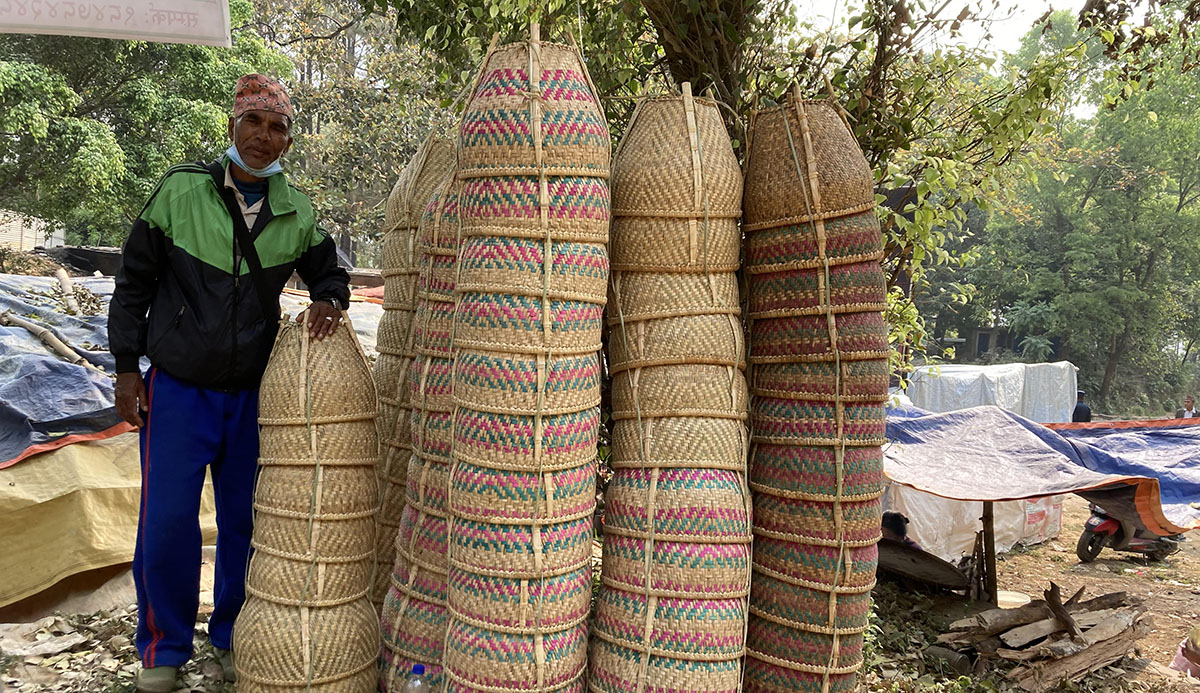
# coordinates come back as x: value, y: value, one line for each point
x: 261, y: 137
x: 1189, y: 403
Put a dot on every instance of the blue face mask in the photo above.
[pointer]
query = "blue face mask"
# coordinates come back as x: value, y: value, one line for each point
x: 271, y: 169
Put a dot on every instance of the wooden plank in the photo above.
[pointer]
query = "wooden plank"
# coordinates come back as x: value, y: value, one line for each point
x: 1044, y: 676
x: 1023, y: 635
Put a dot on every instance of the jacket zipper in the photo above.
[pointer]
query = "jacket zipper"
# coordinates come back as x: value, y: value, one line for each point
x: 237, y: 266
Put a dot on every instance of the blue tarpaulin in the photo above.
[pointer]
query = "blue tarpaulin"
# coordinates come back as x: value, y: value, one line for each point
x: 46, y: 402
x: 1147, y: 473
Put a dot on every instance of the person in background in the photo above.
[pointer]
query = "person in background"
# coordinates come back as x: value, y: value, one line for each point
x: 1082, y: 413
x: 895, y: 527
x: 198, y: 294
x: 1189, y: 409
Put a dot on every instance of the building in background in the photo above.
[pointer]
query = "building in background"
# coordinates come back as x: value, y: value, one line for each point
x: 18, y: 232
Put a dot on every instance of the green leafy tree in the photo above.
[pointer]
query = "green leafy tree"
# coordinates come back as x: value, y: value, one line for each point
x: 87, y: 126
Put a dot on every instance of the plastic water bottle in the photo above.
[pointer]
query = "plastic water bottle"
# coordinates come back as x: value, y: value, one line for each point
x: 417, y: 683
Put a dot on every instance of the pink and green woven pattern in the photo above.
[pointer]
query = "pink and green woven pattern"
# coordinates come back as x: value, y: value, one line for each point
x: 578, y: 208
x: 519, y: 497
x: 850, y: 289
x: 806, y: 338
x: 427, y: 485
x: 610, y: 661
x: 701, y: 505
x: 690, y: 629
x: 522, y: 604
x: 796, y: 470
x: 533, y: 160
x: 497, y: 133
x: 819, y: 348
x: 432, y: 327
x: 422, y: 538
x: 492, y: 661
x: 508, y: 322
x: 801, y: 422
x: 429, y: 382
x: 677, y: 568
x: 508, y: 441
x: 564, y: 546
x: 764, y: 677
x: 577, y: 270
x: 572, y: 383
x: 848, y: 240
x: 861, y: 380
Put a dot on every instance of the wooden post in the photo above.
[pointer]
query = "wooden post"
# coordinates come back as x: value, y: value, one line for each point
x: 989, y: 551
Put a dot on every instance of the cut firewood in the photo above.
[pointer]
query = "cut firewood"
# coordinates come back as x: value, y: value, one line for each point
x: 1115, y: 624
x: 1023, y: 635
x: 1054, y: 601
x: 1044, y: 676
x: 1075, y: 597
x: 995, y: 621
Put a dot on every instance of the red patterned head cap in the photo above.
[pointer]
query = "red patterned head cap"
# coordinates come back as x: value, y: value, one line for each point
x: 258, y: 92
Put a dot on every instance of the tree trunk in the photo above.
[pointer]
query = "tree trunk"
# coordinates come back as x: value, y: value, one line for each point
x: 1116, y: 352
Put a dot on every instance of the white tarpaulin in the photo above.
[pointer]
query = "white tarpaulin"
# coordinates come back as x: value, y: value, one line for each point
x: 1042, y: 392
x: 946, y: 528
x: 168, y: 21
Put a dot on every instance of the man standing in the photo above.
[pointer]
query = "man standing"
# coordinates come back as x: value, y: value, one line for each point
x: 1189, y: 409
x: 1082, y: 413
x: 198, y: 293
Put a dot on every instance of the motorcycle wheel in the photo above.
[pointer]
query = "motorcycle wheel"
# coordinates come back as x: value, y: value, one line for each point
x: 1089, y: 545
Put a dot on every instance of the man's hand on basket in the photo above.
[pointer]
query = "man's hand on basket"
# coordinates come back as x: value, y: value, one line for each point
x: 323, y: 319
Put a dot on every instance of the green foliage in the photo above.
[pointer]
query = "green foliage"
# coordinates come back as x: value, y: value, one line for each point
x: 1092, y: 260
x: 367, y: 98
x: 938, y: 122
x: 87, y: 126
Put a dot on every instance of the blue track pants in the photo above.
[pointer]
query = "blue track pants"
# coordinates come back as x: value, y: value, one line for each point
x: 187, y: 429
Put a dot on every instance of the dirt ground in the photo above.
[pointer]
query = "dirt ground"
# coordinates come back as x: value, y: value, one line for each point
x: 1171, y: 588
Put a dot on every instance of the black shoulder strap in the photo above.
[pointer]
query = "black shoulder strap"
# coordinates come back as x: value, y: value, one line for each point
x: 242, y: 235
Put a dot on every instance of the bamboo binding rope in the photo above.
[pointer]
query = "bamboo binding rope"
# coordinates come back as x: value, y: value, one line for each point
x: 395, y: 342
x: 671, y: 614
x: 414, y: 614
x: 533, y: 158
x: 308, y: 623
x: 818, y: 352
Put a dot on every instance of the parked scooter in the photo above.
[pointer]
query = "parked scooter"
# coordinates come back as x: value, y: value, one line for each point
x: 1104, y: 530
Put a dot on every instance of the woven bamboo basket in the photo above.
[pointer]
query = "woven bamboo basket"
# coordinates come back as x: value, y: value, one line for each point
x: 677, y: 190
x: 818, y: 353
x: 671, y: 612
x: 308, y: 623
x: 413, y: 619
x: 533, y: 155
x: 780, y: 193
x: 407, y: 205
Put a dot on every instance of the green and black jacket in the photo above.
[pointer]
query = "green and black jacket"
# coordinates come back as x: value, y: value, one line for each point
x: 206, y: 324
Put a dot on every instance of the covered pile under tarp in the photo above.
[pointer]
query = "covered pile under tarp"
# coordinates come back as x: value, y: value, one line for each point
x: 988, y: 454
x: 45, y: 402
x: 1043, y: 392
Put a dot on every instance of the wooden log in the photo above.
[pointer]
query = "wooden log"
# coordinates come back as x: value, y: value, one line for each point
x: 48, y: 338
x: 1115, y: 624
x: 1044, y: 676
x: 68, y: 290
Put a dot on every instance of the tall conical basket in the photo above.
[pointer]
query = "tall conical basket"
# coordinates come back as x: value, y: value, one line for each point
x: 818, y: 353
